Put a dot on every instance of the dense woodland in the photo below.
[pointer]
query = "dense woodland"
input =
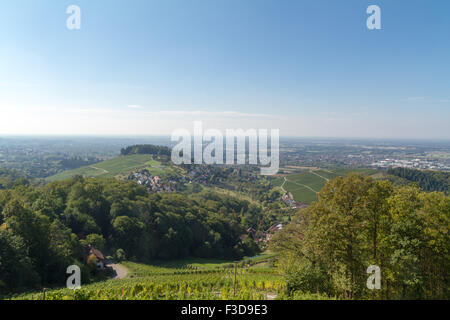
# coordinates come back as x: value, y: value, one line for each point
x: 146, y: 149
x: 8, y: 178
x: 427, y: 180
x: 44, y: 229
x: 359, y: 222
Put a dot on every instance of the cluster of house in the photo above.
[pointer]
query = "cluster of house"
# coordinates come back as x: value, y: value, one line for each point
x: 288, y: 199
x: 200, y: 174
x: 264, y: 236
x: 152, y: 183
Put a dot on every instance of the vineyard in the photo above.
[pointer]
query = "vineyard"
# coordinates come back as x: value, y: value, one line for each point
x: 178, y: 281
x: 305, y: 184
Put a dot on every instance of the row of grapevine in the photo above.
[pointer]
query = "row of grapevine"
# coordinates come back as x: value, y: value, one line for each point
x: 202, y: 286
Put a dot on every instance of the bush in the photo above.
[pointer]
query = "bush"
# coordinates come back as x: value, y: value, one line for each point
x: 306, y: 279
x: 96, y: 240
x: 120, y: 255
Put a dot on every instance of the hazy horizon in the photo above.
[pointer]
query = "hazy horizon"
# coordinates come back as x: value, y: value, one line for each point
x: 168, y: 137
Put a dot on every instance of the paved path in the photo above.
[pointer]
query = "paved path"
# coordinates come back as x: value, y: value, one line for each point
x: 121, y: 271
x: 282, y: 186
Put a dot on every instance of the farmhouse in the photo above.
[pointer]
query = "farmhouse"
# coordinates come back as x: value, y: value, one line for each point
x: 92, y: 252
x: 288, y: 199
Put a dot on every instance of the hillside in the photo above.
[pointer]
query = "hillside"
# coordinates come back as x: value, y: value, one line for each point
x: 9, y: 177
x: 206, y: 279
x: 119, y: 167
x: 428, y: 180
x: 305, y: 184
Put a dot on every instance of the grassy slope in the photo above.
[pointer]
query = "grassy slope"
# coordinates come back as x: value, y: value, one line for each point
x: 300, y: 193
x: 327, y: 174
x: 120, y: 166
x: 308, y: 179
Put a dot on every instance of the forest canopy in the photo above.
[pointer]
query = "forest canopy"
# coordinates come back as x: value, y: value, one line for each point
x: 43, y: 230
x: 359, y: 222
x: 146, y: 149
x: 427, y: 180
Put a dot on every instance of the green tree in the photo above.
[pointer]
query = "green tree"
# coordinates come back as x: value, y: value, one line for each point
x: 16, y: 269
x: 96, y: 240
x: 358, y: 222
x: 127, y: 233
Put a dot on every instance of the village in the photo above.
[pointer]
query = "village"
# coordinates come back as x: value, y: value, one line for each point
x: 261, y: 236
x: 154, y: 184
x: 202, y: 174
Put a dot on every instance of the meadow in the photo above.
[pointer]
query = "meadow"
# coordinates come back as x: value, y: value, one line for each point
x: 119, y: 167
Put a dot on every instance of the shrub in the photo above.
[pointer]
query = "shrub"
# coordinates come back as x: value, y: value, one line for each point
x: 120, y: 255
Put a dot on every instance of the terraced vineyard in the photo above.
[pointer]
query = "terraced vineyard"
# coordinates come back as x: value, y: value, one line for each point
x: 194, y: 279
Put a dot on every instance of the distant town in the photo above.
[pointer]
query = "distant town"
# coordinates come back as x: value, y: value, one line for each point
x: 328, y: 153
x: 412, y: 164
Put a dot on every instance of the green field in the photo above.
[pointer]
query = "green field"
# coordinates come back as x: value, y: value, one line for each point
x: 300, y: 193
x: 308, y: 179
x: 364, y: 172
x: 327, y: 174
x: 305, y: 184
x: 119, y: 167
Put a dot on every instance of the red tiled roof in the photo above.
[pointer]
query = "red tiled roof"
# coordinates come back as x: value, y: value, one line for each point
x: 98, y: 254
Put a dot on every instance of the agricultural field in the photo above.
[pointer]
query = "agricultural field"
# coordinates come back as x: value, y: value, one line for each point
x: 364, y: 172
x: 119, y: 167
x: 300, y: 193
x: 305, y: 184
x: 205, y: 279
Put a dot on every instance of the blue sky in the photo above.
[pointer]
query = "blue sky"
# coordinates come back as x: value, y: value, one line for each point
x: 310, y: 68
